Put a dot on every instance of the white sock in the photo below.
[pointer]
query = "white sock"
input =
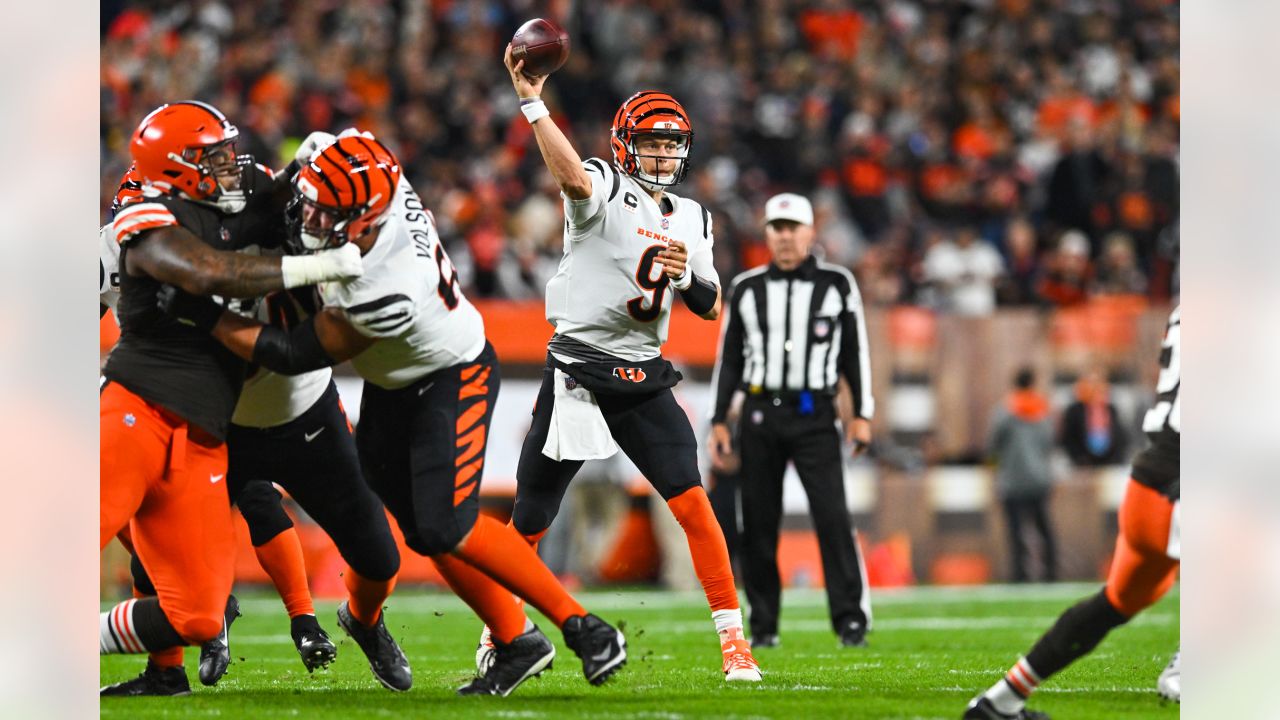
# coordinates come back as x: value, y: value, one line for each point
x: 528, y: 625
x: 1004, y: 699
x: 116, y: 631
x: 727, y: 619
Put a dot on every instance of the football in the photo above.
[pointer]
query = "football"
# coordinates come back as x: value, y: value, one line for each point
x: 542, y: 44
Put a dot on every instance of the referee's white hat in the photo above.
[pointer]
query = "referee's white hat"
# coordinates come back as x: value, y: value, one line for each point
x: 788, y: 206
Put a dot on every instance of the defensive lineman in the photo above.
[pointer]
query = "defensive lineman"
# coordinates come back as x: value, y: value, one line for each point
x: 627, y: 242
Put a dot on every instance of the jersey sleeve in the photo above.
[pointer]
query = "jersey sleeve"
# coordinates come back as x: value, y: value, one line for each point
x: 581, y: 214
x: 137, y: 218
x: 702, y: 259
x: 108, y: 267
x: 386, y: 316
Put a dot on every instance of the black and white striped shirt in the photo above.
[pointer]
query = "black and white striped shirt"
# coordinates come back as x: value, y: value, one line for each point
x: 792, y: 331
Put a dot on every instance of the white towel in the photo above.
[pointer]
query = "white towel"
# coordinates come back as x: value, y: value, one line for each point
x: 578, y: 430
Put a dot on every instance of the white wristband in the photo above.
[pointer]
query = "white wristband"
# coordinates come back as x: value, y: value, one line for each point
x: 685, y: 281
x: 534, y: 109
x: 337, y: 264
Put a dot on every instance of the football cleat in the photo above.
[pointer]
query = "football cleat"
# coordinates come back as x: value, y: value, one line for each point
x: 524, y: 657
x: 153, y: 681
x: 1170, y: 683
x: 313, y: 643
x: 853, y: 635
x: 215, y: 655
x: 484, y: 652
x: 386, y: 659
x: 980, y: 708
x: 602, y: 648
x: 765, y: 640
x: 739, y: 665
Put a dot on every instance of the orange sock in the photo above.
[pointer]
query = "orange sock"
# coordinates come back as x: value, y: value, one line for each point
x: 365, y: 596
x: 496, y: 606
x: 706, y: 544
x: 281, y: 557
x: 171, y: 657
x: 500, y: 552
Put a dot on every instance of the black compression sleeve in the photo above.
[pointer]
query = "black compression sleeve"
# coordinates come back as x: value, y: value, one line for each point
x: 701, y: 295
x: 291, y: 352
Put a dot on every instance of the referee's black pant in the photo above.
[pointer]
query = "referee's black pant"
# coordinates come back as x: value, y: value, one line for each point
x: 772, y: 433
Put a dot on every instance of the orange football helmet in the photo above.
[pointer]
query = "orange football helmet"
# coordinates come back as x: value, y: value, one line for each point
x: 650, y: 112
x: 130, y: 189
x: 345, y: 190
x: 190, y: 147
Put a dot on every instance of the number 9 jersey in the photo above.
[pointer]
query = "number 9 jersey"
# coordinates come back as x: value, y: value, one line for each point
x: 610, y: 291
x: 408, y: 298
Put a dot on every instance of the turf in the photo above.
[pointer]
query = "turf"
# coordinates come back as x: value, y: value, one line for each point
x: 930, y: 651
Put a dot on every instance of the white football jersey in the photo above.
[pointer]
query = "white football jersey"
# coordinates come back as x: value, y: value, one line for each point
x: 268, y: 399
x: 409, y: 300
x: 610, y: 292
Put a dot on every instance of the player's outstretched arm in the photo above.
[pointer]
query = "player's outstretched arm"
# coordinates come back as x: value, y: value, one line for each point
x: 323, y: 340
x: 557, y: 152
x: 175, y: 256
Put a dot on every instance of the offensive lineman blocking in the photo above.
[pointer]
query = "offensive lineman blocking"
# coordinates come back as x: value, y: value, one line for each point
x: 606, y: 385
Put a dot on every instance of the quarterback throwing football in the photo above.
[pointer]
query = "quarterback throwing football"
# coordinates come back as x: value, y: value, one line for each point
x: 629, y: 246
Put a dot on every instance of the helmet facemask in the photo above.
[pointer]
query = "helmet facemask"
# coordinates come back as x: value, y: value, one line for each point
x: 314, y: 227
x: 221, y: 173
x: 659, y: 180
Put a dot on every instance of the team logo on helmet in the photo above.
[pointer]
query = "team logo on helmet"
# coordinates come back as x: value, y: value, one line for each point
x: 645, y: 114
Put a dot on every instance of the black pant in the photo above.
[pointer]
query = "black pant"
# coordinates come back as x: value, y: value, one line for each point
x: 313, y: 457
x: 724, y: 503
x: 423, y: 446
x: 770, y: 436
x: 651, y: 429
x: 1035, y: 508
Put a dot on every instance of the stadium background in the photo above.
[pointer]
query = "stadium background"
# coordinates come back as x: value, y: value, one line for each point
x: 913, y: 126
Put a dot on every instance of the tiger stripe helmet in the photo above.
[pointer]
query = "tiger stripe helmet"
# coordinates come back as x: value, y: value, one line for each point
x: 344, y: 191
x: 190, y: 147
x: 650, y: 112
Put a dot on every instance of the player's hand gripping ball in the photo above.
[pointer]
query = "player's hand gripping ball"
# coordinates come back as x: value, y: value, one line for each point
x: 542, y: 44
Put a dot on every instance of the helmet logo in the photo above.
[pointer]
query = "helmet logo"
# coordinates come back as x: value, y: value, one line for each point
x: 666, y: 125
x: 630, y: 374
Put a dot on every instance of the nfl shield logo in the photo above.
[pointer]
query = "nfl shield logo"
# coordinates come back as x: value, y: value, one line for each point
x: 821, y: 328
x: 130, y: 420
x: 569, y: 382
x: 666, y: 224
x: 225, y: 235
x: 757, y: 417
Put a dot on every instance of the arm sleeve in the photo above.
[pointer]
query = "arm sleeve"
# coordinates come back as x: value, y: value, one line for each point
x: 855, y: 358
x: 581, y: 214
x: 291, y: 352
x: 729, y: 363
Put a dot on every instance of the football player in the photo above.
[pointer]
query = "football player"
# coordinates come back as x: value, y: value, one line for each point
x: 1143, y: 568
x: 630, y: 245
x: 168, y: 391
x: 431, y: 380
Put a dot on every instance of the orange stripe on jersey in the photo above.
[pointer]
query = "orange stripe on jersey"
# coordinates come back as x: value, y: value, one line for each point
x: 137, y: 218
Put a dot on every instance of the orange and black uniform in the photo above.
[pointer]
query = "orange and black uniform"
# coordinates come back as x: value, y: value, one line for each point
x: 166, y: 402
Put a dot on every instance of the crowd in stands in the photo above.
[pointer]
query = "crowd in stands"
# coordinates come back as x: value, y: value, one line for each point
x: 960, y: 154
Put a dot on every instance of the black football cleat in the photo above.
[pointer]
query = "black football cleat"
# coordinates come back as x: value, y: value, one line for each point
x: 854, y: 635
x: 313, y: 643
x: 215, y: 655
x: 386, y: 659
x: 524, y: 657
x: 601, y: 647
x: 153, y: 681
x: 980, y: 708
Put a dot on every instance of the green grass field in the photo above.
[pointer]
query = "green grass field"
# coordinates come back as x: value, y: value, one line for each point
x: 931, y: 650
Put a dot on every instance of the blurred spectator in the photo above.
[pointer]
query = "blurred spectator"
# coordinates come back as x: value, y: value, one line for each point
x: 1092, y: 433
x: 913, y: 113
x: 1118, y: 272
x: 1067, y: 271
x: 1021, y: 438
x: 963, y: 273
x: 1019, y: 283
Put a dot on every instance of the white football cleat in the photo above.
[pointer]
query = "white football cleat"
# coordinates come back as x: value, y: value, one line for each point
x: 739, y: 665
x: 1170, y: 683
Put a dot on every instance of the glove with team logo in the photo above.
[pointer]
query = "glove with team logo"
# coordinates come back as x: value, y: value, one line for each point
x: 198, y: 311
x: 314, y: 143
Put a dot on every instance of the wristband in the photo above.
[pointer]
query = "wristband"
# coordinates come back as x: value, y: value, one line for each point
x: 534, y: 109
x: 685, y: 281
x: 337, y: 264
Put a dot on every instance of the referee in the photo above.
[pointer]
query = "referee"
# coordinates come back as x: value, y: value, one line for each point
x: 794, y: 327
